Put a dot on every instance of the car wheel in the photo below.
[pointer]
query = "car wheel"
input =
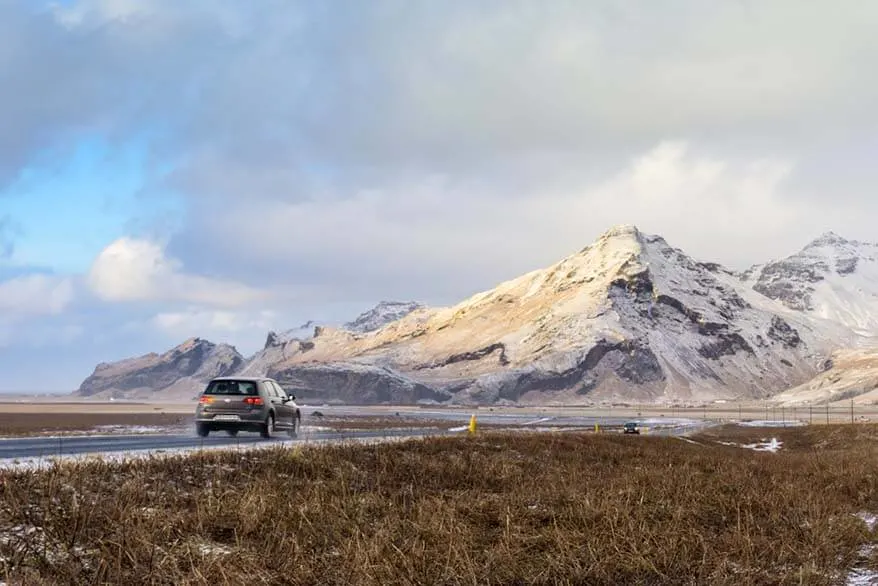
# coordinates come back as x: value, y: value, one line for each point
x: 268, y: 426
x: 232, y: 432
x: 294, y: 430
x: 202, y: 429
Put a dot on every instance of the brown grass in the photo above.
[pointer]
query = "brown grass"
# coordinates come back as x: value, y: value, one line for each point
x: 24, y: 424
x: 490, y: 509
x: 360, y: 422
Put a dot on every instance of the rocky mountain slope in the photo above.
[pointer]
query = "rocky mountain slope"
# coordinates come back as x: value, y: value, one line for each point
x: 279, y: 346
x: 179, y: 372
x: 831, y: 278
x: 381, y: 315
x: 627, y: 318
x: 850, y: 374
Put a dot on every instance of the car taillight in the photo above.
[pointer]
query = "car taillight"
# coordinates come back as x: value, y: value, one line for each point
x: 253, y: 401
x: 205, y: 400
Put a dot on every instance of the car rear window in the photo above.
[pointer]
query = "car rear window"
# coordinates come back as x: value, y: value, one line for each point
x: 231, y: 387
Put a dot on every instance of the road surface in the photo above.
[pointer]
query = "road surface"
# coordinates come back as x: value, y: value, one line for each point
x: 73, y: 445
x: 42, y: 447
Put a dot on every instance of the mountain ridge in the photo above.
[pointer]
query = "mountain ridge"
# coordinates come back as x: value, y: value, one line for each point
x: 626, y: 317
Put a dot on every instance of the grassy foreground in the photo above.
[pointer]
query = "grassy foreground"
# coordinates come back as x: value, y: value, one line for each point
x: 494, y: 509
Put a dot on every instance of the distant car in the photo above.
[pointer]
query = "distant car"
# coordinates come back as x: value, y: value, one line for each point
x: 631, y: 427
x: 234, y: 404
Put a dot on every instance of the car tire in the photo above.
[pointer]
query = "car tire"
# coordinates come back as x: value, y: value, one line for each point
x: 294, y: 430
x: 268, y: 426
x: 202, y: 429
x: 232, y: 432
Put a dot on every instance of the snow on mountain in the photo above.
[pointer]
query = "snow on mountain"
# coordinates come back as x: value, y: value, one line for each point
x: 851, y: 374
x: 303, y: 332
x: 279, y: 346
x: 381, y: 315
x: 628, y: 317
x: 831, y: 278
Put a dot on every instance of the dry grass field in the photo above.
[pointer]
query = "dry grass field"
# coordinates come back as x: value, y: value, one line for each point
x: 491, y: 509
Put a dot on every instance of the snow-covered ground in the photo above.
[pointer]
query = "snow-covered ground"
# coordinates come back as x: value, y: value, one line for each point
x: 773, y: 445
x: 864, y: 576
x: 771, y: 423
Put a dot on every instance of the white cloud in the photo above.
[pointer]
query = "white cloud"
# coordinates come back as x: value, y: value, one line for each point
x: 201, y: 320
x: 247, y: 330
x: 138, y: 270
x: 34, y: 295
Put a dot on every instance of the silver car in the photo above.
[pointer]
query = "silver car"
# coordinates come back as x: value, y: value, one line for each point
x: 245, y: 403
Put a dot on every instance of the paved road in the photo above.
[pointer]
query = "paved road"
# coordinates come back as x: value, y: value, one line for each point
x: 40, y: 447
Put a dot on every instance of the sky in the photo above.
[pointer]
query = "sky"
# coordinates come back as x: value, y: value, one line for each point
x: 217, y: 168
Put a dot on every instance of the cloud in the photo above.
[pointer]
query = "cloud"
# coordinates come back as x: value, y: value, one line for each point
x: 137, y: 270
x: 34, y: 295
x: 300, y: 87
x: 217, y: 325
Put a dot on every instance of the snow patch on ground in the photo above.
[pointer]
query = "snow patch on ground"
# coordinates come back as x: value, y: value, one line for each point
x: 131, y: 429
x: 862, y: 577
x: 870, y: 519
x: 213, y: 549
x: 771, y: 446
x: 770, y: 423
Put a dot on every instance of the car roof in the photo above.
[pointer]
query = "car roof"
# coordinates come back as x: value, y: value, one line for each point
x: 242, y: 378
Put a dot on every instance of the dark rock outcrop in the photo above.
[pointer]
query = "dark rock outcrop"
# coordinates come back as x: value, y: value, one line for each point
x: 354, y: 384
x: 781, y: 331
x: 632, y: 361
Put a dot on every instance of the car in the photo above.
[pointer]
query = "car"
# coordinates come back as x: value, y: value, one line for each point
x: 631, y: 427
x: 234, y: 404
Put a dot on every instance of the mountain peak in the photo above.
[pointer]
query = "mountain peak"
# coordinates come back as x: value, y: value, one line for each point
x: 622, y: 231
x: 828, y: 239
x: 381, y: 315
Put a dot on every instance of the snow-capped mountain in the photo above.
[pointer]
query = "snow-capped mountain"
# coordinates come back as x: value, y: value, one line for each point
x: 279, y: 346
x: 831, y: 278
x: 303, y: 332
x: 381, y: 315
x: 628, y: 317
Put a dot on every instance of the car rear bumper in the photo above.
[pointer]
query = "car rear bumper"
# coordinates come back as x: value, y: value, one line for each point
x: 231, y: 418
x: 224, y: 425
